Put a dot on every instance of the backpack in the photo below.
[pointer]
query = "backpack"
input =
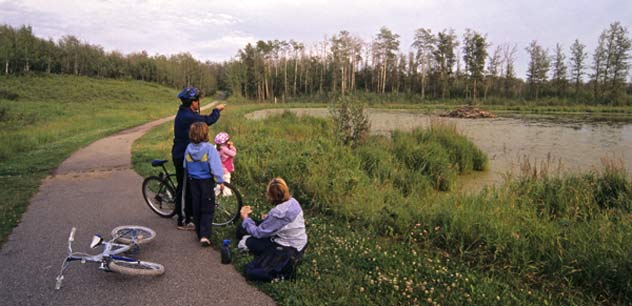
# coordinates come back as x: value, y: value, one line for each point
x: 275, y: 263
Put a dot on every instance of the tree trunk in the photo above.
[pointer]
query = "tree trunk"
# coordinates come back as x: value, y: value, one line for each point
x: 285, y: 84
x: 423, y: 80
x: 353, y: 80
x: 487, y: 85
x: 306, y: 80
x: 295, y: 76
x: 76, y: 65
x: 423, y: 87
x: 342, y: 79
x: 383, y: 79
x: 320, y: 86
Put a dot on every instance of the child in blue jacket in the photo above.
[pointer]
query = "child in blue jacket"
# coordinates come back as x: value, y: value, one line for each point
x: 202, y: 163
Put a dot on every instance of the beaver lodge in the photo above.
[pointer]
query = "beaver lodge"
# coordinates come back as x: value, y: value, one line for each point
x: 470, y: 112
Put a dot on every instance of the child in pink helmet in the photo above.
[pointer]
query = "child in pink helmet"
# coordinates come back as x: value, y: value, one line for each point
x: 227, y: 153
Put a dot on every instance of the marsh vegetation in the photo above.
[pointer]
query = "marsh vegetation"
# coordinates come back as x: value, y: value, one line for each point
x: 386, y: 228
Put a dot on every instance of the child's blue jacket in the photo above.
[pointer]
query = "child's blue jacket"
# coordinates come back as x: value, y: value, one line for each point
x: 202, y: 162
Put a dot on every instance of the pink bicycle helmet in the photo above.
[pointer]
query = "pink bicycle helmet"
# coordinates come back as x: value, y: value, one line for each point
x: 221, y: 137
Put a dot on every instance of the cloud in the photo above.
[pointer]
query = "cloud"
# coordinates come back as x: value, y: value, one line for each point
x: 223, y: 48
x: 219, y: 19
x: 216, y: 30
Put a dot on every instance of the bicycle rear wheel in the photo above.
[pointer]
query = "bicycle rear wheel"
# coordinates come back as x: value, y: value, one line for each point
x: 127, y: 234
x: 136, y: 267
x: 160, y: 196
x: 227, y: 205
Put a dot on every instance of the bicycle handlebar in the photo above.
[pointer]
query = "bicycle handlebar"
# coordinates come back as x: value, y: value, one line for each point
x: 71, y: 238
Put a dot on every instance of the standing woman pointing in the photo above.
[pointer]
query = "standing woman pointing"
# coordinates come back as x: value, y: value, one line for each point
x: 188, y: 113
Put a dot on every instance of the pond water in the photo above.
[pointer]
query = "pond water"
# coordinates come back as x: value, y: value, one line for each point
x: 564, y: 143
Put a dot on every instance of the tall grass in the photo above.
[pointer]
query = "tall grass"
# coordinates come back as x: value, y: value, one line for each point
x: 44, y: 119
x: 573, y: 230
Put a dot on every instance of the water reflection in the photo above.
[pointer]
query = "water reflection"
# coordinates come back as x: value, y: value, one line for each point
x: 566, y: 143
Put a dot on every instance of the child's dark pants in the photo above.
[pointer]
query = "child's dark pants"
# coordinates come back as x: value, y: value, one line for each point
x: 203, y: 200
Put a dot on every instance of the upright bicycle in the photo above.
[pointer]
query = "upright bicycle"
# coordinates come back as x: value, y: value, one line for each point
x: 160, y: 194
x: 124, y: 239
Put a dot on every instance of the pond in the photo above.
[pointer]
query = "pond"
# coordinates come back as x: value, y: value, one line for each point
x: 561, y: 142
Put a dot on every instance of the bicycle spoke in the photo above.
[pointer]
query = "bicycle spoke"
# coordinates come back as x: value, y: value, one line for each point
x: 227, y: 205
x: 160, y: 196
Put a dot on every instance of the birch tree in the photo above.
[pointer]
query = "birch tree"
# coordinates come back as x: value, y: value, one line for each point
x: 445, y: 59
x: 538, y: 68
x: 474, y: 55
x: 385, y: 47
x: 423, y: 44
x: 577, y: 64
x: 559, y: 71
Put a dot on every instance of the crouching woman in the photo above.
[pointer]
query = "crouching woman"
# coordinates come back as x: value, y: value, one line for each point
x: 278, y: 241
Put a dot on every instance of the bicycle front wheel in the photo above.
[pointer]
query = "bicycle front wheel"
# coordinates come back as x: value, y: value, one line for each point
x: 128, y: 234
x: 136, y: 267
x: 227, y: 205
x: 160, y: 196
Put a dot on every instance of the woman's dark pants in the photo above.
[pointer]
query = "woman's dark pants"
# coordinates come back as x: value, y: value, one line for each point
x: 177, y: 162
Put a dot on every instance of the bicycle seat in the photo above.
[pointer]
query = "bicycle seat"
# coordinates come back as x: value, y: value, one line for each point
x: 158, y: 162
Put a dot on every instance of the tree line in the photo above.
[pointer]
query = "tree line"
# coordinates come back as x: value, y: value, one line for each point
x: 436, y: 66
x: 21, y: 52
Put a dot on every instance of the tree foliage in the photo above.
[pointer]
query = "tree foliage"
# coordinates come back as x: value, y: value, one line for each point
x: 434, y: 67
x: 539, y: 65
x: 21, y: 52
x: 474, y: 55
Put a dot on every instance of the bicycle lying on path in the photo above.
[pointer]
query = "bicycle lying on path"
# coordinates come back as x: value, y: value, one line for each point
x: 130, y: 237
x: 160, y: 194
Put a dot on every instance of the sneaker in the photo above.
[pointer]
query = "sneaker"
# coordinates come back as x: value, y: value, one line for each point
x: 186, y: 227
x: 241, y: 246
x: 205, y: 242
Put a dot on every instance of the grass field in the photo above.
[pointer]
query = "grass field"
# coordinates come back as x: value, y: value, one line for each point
x: 384, y: 223
x: 385, y: 229
x: 44, y: 119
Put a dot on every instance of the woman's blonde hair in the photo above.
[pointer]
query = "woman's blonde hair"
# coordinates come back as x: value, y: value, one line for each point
x: 277, y: 191
x: 198, y: 132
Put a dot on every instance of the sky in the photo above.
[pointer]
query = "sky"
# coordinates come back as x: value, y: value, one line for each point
x: 216, y: 30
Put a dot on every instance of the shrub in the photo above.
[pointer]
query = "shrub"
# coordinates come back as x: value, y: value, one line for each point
x: 613, y: 190
x: 351, y: 123
x: 8, y: 95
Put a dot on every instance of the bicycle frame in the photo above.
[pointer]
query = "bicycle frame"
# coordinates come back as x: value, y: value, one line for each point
x: 110, y: 251
x: 166, y: 176
x: 161, y: 188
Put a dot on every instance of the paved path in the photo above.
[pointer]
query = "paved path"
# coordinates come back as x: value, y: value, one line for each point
x: 96, y: 190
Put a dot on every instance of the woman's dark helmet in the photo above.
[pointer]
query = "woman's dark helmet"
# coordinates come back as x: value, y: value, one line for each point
x: 188, y: 95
